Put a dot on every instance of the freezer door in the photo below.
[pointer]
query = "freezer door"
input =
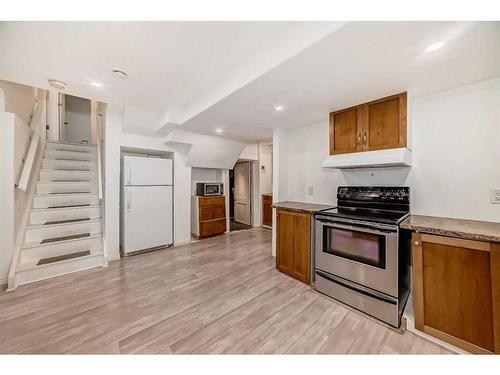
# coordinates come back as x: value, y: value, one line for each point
x: 147, y: 171
x: 147, y: 217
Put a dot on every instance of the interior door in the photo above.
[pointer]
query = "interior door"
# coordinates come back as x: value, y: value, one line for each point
x: 62, y: 121
x: 148, y: 217
x: 242, y: 193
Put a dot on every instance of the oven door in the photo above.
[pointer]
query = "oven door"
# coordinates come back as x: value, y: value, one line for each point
x: 364, y: 253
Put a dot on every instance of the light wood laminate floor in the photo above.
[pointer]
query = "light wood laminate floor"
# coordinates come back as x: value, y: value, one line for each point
x: 220, y: 295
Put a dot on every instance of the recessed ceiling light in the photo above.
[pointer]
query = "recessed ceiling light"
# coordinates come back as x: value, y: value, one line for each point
x: 57, y: 84
x: 219, y: 130
x: 435, y: 46
x: 119, y: 73
x: 96, y: 84
x: 279, y: 108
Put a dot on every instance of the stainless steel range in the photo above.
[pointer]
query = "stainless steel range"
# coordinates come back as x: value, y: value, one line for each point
x: 361, y: 257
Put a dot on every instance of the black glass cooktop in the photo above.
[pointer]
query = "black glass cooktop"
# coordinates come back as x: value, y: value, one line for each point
x: 362, y: 214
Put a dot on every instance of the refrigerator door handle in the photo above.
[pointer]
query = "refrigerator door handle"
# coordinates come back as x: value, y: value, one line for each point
x: 129, y: 200
x: 129, y: 173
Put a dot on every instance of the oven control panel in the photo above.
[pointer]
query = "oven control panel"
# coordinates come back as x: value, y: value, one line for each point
x: 374, y: 193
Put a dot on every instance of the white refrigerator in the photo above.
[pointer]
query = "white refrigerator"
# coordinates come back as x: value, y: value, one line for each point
x: 146, y: 203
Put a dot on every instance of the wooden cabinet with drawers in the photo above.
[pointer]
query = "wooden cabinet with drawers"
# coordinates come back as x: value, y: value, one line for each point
x: 208, y: 216
x: 456, y: 291
x: 376, y: 125
x: 293, y: 244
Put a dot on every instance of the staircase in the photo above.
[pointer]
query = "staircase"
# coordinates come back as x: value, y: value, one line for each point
x: 64, y: 229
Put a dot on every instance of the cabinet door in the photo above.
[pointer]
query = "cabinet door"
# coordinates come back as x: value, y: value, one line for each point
x: 345, y: 130
x: 284, y: 241
x: 302, y: 247
x: 452, y: 291
x: 267, y: 210
x: 384, y: 123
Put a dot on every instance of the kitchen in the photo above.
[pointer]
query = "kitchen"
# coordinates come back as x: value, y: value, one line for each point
x: 385, y: 191
x: 369, y: 217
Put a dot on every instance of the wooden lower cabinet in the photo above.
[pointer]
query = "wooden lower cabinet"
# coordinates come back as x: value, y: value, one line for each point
x: 208, y: 216
x: 293, y: 244
x: 267, y: 210
x: 456, y: 291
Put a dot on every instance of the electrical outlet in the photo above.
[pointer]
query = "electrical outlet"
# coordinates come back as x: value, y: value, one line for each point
x: 310, y: 190
x: 495, y: 196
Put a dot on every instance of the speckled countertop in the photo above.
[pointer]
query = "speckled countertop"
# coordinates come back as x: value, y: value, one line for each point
x: 302, y: 207
x: 459, y: 228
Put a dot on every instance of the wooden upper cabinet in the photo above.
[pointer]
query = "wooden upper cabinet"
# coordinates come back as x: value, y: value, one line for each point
x: 377, y: 125
x: 345, y: 130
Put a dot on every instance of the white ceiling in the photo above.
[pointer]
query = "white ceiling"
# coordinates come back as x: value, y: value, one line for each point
x: 204, y: 75
x: 182, y: 66
x: 360, y: 62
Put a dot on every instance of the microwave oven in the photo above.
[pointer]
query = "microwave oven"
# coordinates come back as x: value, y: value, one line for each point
x: 209, y: 188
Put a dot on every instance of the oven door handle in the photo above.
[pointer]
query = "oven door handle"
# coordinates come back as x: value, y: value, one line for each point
x: 355, y: 228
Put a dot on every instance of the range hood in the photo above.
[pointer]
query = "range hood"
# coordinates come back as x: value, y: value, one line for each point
x: 394, y: 157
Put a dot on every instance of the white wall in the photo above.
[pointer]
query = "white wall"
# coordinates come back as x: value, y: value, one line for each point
x: 205, y: 175
x: 114, y: 140
x: 266, y: 168
x: 77, y: 117
x: 6, y: 190
x: 456, y: 154
x: 19, y: 99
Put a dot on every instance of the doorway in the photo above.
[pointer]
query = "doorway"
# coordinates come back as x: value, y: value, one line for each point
x: 240, y: 196
x: 74, y: 119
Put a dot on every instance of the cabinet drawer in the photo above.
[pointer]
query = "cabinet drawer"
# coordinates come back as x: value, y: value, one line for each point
x: 210, y: 228
x: 212, y: 212
x: 212, y: 201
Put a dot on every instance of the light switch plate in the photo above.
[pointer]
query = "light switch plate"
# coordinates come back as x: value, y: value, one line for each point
x: 310, y: 190
x: 495, y: 196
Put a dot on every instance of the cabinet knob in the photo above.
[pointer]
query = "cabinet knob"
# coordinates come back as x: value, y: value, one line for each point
x: 365, y: 138
x: 416, y: 243
x: 359, y: 138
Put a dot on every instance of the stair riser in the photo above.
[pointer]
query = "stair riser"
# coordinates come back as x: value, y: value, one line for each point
x: 68, y: 164
x: 48, y: 175
x: 56, y: 249
x: 70, y: 147
x: 41, y: 217
x: 73, y: 155
x: 41, y: 233
x: 59, y: 268
x: 44, y: 202
x: 66, y: 187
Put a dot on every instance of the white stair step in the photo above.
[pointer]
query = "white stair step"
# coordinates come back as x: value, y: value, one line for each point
x: 45, y: 215
x: 69, y: 165
x: 34, y: 253
x: 66, y: 187
x: 70, y: 146
x: 38, y: 233
x: 30, y: 272
x: 60, y: 200
x: 47, y: 175
x: 52, y: 153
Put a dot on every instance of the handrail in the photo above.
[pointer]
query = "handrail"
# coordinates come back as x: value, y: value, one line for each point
x: 33, y: 147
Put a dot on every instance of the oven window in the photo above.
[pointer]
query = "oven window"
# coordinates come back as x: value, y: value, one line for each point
x: 361, y: 247
x: 211, y: 189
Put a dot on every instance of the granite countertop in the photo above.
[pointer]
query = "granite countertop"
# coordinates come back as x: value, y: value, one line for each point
x: 459, y: 228
x: 302, y: 206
